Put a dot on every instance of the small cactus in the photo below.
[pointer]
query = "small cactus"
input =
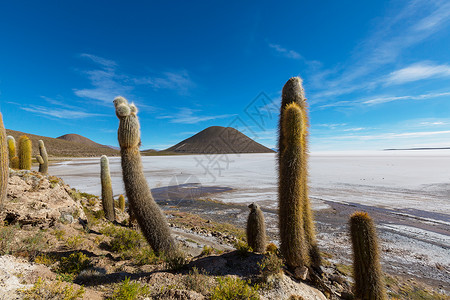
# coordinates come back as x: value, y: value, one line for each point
x: 107, y: 193
x: 366, y: 262
x: 150, y: 218
x: 11, y: 147
x: 122, y: 203
x: 42, y: 158
x: 256, y: 229
x: 4, y: 163
x: 25, y: 148
x: 14, y: 162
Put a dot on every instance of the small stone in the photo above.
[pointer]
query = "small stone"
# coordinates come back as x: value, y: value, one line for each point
x: 301, y: 273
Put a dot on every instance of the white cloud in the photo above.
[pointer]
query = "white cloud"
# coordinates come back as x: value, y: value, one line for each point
x: 100, y: 60
x: 58, y: 113
x: 418, y: 71
x: 390, y: 135
x: 186, y: 116
x: 384, y: 99
x: 285, y: 52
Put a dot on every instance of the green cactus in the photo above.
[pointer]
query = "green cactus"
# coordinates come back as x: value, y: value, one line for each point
x: 42, y: 158
x: 107, y: 193
x: 11, y: 147
x: 366, y: 262
x: 150, y: 218
x: 122, y: 203
x: 4, y: 163
x: 25, y: 148
x: 15, y: 162
x: 256, y: 229
x: 296, y: 159
x: 290, y: 190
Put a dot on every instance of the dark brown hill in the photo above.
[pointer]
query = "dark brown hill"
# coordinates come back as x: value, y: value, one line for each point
x: 62, y: 147
x: 218, y: 140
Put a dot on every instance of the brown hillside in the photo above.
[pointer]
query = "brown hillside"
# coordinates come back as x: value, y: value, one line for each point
x: 79, y: 139
x: 218, y: 140
x: 62, y: 147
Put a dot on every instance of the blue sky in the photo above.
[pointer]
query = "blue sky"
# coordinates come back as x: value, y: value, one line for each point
x: 376, y: 73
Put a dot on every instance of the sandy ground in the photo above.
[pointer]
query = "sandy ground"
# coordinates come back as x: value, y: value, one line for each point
x: 407, y: 193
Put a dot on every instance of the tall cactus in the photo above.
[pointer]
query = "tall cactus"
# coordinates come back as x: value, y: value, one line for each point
x: 256, y: 229
x: 296, y: 161
x: 366, y: 262
x: 122, y: 203
x: 4, y: 163
x: 149, y: 216
x: 25, y: 148
x: 107, y: 193
x: 42, y: 158
x: 11, y: 147
x: 291, y: 193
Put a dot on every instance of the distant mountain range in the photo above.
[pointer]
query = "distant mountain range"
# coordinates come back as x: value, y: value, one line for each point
x: 212, y: 140
x: 394, y: 149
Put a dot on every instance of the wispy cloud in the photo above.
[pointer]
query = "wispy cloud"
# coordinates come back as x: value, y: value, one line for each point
x: 418, y: 71
x: 107, y: 82
x: 389, y: 135
x: 384, y: 99
x: 187, y: 116
x: 58, y: 113
x: 285, y: 52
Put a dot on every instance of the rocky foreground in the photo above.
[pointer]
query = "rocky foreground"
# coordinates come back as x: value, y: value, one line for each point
x: 56, y: 244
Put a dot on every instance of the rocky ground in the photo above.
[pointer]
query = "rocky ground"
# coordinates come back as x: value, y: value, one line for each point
x: 56, y: 244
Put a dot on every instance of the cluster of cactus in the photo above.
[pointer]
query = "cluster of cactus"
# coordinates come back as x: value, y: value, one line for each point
x: 25, y: 148
x: 42, y: 158
x: 297, y: 232
x: 107, y: 193
x: 150, y: 218
x: 13, y: 158
x: 366, y: 262
x: 256, y: 229
x: 4, y: 163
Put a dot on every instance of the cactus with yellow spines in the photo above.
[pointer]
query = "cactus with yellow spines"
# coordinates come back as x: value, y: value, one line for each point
x: 42, y: 158
x: 25, y: 148
x: 107, y: 193
x: 293, y: 93
x: 4, y: 163
x: 13, y: 158
x: 366, y: 261
x: 150, y: 218
x: 122, y: 203
x: 256, y: 229
x: 293, y: 245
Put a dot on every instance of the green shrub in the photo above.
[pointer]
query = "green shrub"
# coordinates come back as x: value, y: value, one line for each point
x: 7, y: 234
x: 74, y: 263
x: 232, y: 288
x: 33, y: 245
x: 196, y: 281
x: 42, y: 290
x: 126, y: 239
x: 207, y: 251
x: 74, y: 242
x: 129, y: 290
x: 175, y: 260
x: 270, y: 265
x: 242, y: 247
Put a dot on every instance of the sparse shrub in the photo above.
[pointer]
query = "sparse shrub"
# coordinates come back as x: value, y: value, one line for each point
x: 4, y: 163
x: 59, y: 234
x: 53, y: 290
x: 366, y: 262
x: 25, y: 147
x: 33, y: 245
x: 74, y: 242
x: 125, y: 239
x: 74, y: 263
x: 145, y: 256
x: 229, y: 288
x: 7, y: 235
x: 148, y: 214
x: 128, y: 290
x: 207, y: 251
x: 44, y: 259
x: 174, y: 261
x: 196, y: 281
x: 270, y: 265
x: 272, y: 248
x: 256, y: 229
x: 242, y: 247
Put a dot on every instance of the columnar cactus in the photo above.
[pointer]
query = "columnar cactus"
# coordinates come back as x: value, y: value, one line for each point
x: 25, y: 147
x: 256, y: 229
x: 122, y: 203
x: 11, y: 147
x: 366, y: 262
x: 293, y: 161
x: 4, y: 163
x: 42, y: 158
x: 149, y: 216
x: 107, y: 193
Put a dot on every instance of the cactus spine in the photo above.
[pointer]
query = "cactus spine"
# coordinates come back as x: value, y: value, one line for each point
x: 294, y: 204
x: 366, y: 262
x: 149, y: 216
x: 107, y: 193
x: 25, y: 147
x: 4, y: 163
x: 122, y: 203
x: 256, y: 229
x: 42, y: 158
